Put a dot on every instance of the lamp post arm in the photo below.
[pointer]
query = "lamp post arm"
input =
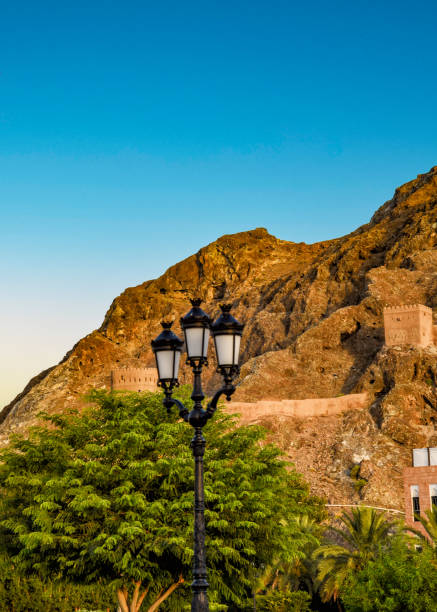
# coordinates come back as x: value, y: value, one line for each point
x: 227, y: 390
x: 171, y: 401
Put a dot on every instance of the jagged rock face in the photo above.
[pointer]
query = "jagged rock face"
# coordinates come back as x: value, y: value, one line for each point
x: 314, y: 328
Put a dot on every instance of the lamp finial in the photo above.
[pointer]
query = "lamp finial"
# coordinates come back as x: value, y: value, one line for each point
x: 225, y: 308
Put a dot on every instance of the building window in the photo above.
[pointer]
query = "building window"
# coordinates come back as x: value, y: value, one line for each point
x: 420, y: 457
x: 433, y: 494
x: 415, y: 501
x: 416, y: 508
x: 423, y: 457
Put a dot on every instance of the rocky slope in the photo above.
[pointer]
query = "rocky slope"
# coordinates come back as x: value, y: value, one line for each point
x: 314, y: 328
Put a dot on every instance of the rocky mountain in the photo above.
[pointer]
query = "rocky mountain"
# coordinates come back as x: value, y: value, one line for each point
x: 314, y: 328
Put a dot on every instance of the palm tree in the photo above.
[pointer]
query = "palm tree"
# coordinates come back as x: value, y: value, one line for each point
x: 365, y: 533
x: 430, y: 525
x: 298, y: 571
x: 304, y: 569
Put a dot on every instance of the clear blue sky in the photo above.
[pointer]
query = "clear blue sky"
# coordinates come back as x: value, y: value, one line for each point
x: 133, y: 133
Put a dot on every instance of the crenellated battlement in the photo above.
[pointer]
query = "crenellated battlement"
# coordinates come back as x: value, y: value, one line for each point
x: 408, y: 324
x: 408, y: 307
x: 134, y: 379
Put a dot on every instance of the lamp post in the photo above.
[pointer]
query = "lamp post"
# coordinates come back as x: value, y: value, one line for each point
x: 167, y: 347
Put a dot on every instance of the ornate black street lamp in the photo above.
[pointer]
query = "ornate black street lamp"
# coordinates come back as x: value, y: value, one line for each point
x: 167, y: 347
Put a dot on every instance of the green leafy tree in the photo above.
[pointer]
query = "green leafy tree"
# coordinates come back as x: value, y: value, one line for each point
x: 284, y: 601
x: 107, y: 495
x: 20, y: 593
x: 398, y: 580
x: 364, y: 533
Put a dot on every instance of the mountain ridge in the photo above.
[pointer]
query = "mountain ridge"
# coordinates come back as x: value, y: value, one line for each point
x: 313, y: 315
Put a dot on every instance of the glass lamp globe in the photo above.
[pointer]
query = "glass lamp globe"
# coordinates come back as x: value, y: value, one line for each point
x: 196, y: 325
x: 167, y: 348
x: 227, y: 333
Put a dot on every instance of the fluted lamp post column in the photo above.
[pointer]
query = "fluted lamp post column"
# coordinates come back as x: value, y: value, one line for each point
x: 197, y: 326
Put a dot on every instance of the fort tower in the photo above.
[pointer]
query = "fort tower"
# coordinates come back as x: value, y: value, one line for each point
x: 408, y: 324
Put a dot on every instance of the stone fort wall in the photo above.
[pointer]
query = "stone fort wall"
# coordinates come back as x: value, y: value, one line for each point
x: 134, y: 379
x: 409, y: 324
x: 251, y: 412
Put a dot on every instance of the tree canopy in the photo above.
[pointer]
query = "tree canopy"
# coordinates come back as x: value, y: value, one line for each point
x: 365, y: 533
x: 398, y: 580
x: 107, y: 495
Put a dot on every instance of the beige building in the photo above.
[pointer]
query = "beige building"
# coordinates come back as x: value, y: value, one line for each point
x: 409, y: 324
x: 134, y: 379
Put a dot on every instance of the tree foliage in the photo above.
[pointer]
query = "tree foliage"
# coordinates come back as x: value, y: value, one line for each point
x: 429, y: 523
x: 284, y: 600
x: 364, y: 533
x: 20, y: 593
x: 282, y: 580
x: 107, y: 495
x: 398, y: 580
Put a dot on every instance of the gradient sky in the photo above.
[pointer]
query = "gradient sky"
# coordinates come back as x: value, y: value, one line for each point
x: 133, y: 133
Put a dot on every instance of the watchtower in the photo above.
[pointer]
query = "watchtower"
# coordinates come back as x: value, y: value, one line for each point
x: 408, y: 324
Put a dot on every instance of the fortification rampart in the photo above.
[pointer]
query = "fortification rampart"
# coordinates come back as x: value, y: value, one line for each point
x: 134, y: 379
x: 252, y: 412
x: 409, y: 324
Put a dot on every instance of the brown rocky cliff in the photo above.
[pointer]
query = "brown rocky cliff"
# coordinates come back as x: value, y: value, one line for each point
x: 313, y: 317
